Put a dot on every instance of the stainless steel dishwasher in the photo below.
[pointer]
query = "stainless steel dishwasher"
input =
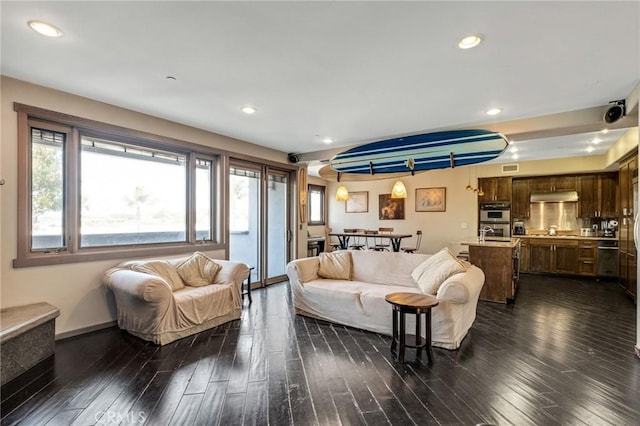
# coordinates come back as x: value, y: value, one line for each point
x: 607, y: 259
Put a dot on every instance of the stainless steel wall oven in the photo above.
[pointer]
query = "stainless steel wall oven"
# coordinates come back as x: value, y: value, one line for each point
x: 498, y: 217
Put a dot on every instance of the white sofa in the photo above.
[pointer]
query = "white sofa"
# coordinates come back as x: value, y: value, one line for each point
x: 360, y: 302
x: 152, y: 305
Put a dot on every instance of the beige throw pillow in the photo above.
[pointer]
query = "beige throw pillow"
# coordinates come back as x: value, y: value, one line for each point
x: 162, y: 269
x: 198, y: 270
x: 336, y: 265
x: 431, y: 273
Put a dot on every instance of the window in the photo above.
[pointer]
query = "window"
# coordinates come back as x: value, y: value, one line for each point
x: 47, y: 189
x: 88, y: 191
x: 316, y: 205
x: 131, y: 194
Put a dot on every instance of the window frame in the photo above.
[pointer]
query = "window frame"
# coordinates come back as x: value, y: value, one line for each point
x: 322, y: 189
x: 74, y: 128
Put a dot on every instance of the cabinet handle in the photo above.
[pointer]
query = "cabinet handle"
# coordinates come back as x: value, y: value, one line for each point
x: 587, y: 262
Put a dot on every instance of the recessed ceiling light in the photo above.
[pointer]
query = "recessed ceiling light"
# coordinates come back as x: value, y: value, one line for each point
x: 514, y: 149
x: 248, y: 109
x: 45, y: 29
x: 327, y: 140
x: 596, y: 141
x: 605, y: 131
x: 590, y: 149
x: 515, y: 156
x: 494, y: 111
x: 470, y: 41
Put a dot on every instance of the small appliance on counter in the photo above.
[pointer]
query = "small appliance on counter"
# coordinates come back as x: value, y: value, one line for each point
x: 587, y: 232
x: 518, y: 228
x: 609, y: 230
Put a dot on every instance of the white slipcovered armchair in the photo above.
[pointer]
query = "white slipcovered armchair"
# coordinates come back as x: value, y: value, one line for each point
x: 154, y: 303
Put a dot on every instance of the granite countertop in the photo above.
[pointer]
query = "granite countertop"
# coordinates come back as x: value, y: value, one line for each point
x: 570, y: 237
x: 492, y: 242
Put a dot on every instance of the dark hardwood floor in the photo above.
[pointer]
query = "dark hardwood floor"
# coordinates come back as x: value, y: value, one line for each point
x: 563, y: 354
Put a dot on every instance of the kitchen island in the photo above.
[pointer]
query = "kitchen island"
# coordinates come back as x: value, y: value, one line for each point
x: 499, y: 260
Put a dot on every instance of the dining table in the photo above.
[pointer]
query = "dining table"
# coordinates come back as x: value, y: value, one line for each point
x: 344, y: 237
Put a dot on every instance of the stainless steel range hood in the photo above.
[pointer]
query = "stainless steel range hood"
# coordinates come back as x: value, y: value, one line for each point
x: 554, y: 197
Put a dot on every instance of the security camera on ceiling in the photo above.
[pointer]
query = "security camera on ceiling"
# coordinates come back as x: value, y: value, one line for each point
x: 293, y: 158
x: 615, y: 112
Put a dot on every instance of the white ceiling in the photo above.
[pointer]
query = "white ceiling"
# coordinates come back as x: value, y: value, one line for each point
x: 352, y: 71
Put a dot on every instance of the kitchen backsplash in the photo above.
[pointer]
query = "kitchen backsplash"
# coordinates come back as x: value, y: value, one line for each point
x: 562, y: 215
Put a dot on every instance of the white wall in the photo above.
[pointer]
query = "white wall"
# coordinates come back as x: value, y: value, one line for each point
x: 439, y: 228
x: 75, y: 289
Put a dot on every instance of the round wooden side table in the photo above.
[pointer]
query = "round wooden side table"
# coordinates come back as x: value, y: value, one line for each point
x: 417, y: 304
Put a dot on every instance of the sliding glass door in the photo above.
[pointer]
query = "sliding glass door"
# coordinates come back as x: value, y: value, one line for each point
x: 259, y: 220
x: 276, y: 216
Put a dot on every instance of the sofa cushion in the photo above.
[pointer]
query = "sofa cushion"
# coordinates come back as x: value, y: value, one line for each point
x: 162, y: 269
x: 336, y: 265
x: 386, y: 268
x: 431, y: 273
x: 198, y: 270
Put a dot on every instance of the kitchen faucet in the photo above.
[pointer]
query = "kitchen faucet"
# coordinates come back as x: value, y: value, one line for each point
x: 484, y: 231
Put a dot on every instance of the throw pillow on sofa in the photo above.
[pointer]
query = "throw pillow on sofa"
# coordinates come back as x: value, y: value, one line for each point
x: 431, y: 273
x: 198, y: 270
x: 162, y: 269
x: 335, y: 265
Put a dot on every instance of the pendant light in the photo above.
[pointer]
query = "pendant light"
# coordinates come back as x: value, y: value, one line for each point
x: 342, y: 194
x: 399, y: 190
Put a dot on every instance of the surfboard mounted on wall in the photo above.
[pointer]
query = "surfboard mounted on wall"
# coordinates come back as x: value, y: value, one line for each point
x: 422, y: 152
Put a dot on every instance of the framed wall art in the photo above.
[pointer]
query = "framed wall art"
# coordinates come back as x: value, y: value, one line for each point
x: 390, y: 208
x: 431, y: 199
x: 358, y: 202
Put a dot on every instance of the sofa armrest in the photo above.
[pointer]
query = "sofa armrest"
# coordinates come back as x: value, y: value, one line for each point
x: 231, y: 272
x: 303, y: 270
x: 462, y: 287
x: 138, y: 285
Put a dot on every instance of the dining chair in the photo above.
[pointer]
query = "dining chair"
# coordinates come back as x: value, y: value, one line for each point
x: 313, y: 247
x: 369, y: 233
x: 357, y: 244
x: 418, y: 241
x: 383, y: 243
x: 331, y: 242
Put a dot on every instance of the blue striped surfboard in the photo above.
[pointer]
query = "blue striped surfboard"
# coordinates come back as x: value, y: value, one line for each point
x: 426, y: 151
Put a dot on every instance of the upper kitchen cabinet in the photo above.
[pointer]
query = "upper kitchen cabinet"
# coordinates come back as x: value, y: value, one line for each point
x: 588, y: 196
x: 609, y: 195
x: 599, y: 195
x: 553, y: 183
x: 495, y: 189
x: 520, y: 199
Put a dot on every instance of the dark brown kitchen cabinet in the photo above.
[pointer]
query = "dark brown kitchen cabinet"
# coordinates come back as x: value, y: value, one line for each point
x: 553, y: 183
x: 627, y: 251
x: 598, y: 195
x: 495, y: 189
x: 588, y: 196
x: 499, y: 267
x: 539, y: 255
x: 587, y: 261
x: 525, y: 255
x: 609, y: 195
x: 553, y: 255
x: 520, y: 199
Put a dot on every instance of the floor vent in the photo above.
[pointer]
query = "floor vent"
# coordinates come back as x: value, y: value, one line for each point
x: 510, y: 168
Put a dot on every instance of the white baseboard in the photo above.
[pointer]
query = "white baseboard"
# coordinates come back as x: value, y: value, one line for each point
x: 85, y: 330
